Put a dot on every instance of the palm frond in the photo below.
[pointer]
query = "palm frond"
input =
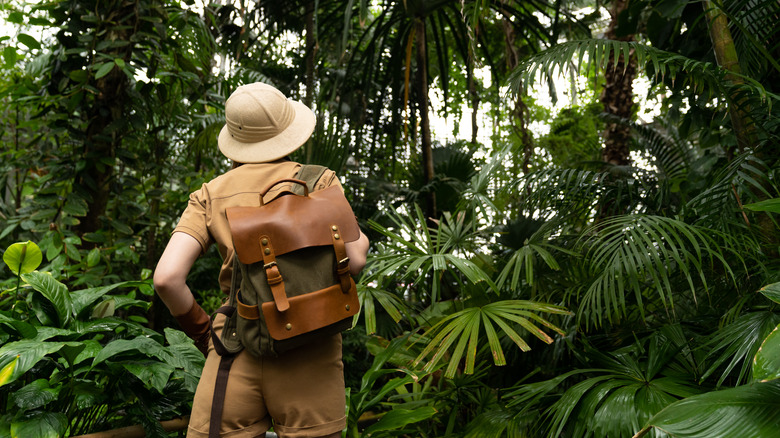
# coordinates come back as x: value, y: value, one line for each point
x: 415, y: 251
x: 755, y: 22
x: 736, y: 344
x: 462, y: 330
x: 480, y: 193
x: 672, y: 155
x: 742, y: 181
x: 639, y: 253
x: 525, y: 258
x: 570, y: 192
x: 597, y: 53
x: 369, y: 296
x: 616, y: 399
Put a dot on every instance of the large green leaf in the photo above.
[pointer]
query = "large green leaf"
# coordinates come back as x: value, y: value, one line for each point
x: 749, y: 411
x: 54, y: 291
x: 153, y: 374
x: 23, y: 257
x: 21, y: 328
x: 398, y: 418
x: 43, y: 425
x: 766, y: 364
x: 28, y: 352
x: 7, y: 372
x: 35, y: 395
x: 771, y: 205
x: 772, y: 291
x: 83, y: 298
x: 141, y: 344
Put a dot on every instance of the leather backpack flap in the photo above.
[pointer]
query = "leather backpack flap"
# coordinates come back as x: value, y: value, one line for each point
x: 292, y: 222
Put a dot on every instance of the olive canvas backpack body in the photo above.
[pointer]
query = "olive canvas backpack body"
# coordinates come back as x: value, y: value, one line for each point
x: 291, y: 283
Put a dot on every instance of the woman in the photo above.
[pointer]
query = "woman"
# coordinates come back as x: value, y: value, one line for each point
x: 300, y: 393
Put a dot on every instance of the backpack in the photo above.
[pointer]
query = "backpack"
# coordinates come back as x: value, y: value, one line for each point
x: 291, y: 283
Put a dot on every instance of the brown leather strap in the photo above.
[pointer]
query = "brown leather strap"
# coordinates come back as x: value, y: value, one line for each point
x: 245, y: 311
x: 275, y: 280
x: 219, y: 347
x: 290, y: 180
x: 220, y: 386
x: 220, y: 389
x: 342, y: 261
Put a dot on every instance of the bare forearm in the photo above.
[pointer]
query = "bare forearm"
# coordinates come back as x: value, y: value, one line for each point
x: 178, y: 299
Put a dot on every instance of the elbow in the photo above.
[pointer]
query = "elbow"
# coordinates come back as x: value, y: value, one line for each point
x: 356, y: 265
x: 164, y: 281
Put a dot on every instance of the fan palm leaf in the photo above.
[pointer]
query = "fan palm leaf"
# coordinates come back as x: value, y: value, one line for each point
x: 462, y: 330
x: 416, y: 251
x: 525, y: 258
x: 369, y: 296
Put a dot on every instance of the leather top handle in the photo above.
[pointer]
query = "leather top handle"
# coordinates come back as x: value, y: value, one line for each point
x: 290, y: 180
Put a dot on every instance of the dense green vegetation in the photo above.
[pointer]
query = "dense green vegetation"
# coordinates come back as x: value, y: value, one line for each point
x: 607, y: 277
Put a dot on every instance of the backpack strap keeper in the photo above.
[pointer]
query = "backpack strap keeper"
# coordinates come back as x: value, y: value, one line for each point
x: 275, y: 280
x: 342, y: 267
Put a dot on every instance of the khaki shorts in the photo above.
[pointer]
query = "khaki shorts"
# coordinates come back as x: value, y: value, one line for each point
x: 301, y: 393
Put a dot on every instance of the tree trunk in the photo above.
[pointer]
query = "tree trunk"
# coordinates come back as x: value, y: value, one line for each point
x: 727, y: 58
x: 96, y: 177
x: 617, y: 96
x: 474, y: 98
x: 311, y: 52
x: 108, y: 108
x: 425, y: 128
x: 520, y: 122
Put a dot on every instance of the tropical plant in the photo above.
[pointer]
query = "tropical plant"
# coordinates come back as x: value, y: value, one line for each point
x: 69, y: 364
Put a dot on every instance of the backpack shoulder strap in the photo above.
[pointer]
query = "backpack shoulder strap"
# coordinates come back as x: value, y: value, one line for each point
x: 310, y: 173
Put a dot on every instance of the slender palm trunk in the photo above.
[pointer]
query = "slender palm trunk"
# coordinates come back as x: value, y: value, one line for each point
x: 727, y: 58
x: 520, y: 125
x: 474, y: 96
x: 617, y: 96
x: 425, y: 127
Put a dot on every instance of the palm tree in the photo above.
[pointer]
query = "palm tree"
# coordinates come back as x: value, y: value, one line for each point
x: 668, y: 257
x: 407, y: 46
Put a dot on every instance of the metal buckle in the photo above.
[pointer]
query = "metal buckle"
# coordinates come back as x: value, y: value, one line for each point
x: 344, y: 261
x: 269, y: 265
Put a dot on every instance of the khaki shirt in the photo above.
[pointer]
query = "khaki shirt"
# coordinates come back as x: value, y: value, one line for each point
x: 205, y: 219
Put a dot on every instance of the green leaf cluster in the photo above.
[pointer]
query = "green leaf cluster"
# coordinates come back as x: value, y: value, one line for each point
x: 70, y: 364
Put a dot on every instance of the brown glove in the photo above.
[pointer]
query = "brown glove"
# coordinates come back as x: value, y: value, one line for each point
x: 196, y: 323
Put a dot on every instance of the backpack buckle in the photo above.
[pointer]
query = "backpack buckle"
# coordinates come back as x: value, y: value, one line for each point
x: 269, y: 265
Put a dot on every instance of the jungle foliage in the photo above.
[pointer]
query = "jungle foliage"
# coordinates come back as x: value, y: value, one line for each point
x: 518, y: 285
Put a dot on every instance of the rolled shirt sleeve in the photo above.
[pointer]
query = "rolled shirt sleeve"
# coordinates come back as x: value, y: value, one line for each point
x: 194, y: 220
